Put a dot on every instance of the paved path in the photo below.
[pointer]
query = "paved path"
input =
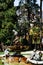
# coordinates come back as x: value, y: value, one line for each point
x: 28, y: 53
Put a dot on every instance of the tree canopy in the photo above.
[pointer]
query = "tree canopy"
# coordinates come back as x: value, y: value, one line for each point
x: 7, y: 20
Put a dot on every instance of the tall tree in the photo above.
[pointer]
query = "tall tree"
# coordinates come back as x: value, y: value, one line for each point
x: 40, y: 20
x: 31, y: 6
x: 32, y: 9
x: 7, y: 20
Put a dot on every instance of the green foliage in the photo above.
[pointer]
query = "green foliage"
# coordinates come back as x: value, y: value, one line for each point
x: 8, y: 19
x: 36, y: 29
x: 10, y: 12
x: 3, y: 6
x: 6, y: 33
x: 8, y: 42
x: 1, y: 36
x: 7, y: 14
x: 1, y: 15
x: 9, y: 26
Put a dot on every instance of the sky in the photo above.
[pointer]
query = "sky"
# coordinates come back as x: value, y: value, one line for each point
x: 38, y: 1
x: 17, y: 2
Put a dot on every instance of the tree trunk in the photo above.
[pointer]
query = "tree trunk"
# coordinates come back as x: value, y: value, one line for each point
x: 41, y: 10
x: 40, y: 20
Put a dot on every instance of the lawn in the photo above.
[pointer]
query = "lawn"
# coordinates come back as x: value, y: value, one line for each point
x: 1, y: 53
x: 1, y: 62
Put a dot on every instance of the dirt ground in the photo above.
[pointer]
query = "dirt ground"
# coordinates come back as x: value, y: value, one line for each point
x: 16, y: 61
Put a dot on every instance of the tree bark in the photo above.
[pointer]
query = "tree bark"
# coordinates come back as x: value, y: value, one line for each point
x: 40, y: 21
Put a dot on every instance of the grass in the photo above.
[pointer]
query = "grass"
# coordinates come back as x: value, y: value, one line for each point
x: 1, y: 62
x: 1, y: 53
